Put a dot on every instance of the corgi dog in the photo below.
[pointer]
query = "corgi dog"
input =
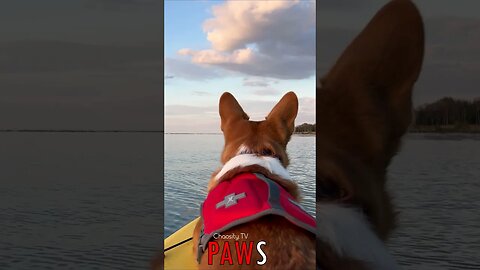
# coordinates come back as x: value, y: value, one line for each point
x: 364, y: 106
x: 253, y: 194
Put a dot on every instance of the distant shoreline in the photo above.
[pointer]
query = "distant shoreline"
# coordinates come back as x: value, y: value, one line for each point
x: 467, y: 129
x: 305, y: 133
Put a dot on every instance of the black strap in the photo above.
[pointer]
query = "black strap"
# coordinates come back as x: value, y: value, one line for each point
x: 177, y: 244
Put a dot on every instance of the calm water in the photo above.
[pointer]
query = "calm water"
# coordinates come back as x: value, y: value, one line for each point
x: 93, y: 201
x: 191, y: 159
x: 80, y: 201
x: 435, y: 181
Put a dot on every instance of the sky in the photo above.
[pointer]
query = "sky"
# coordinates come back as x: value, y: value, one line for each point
x: 97, y: 64
x: 257, y: 50
x: 452, y: 52
x: 81, y: 64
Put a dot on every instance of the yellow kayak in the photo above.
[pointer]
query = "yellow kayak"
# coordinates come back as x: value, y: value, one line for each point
x: 180, y: 257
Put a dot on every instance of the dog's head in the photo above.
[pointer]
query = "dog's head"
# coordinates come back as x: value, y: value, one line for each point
x: 363, y: 109
x: 266, y: 138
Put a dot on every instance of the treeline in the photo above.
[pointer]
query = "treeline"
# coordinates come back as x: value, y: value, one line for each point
x: 305, y: 128
x: 448, y: 114
x: 449, y: 111
x: 444, y: 115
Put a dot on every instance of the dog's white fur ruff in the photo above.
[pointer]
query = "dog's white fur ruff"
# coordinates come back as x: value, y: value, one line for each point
x: 272, y: 164
x: 348, y: 232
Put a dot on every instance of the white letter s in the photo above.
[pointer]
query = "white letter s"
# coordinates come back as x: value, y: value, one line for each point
x: 260, y: 251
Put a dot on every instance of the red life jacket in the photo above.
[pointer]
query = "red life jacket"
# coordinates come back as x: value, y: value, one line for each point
x: 244, y: 198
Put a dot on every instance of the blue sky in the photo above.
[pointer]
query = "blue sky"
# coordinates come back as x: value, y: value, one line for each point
x: 257, y: 50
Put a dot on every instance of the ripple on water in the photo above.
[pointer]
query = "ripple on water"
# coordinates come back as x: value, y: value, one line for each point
x: 436, y: 192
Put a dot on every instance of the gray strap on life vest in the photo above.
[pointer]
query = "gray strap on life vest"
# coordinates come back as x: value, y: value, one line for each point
x: 203, y: 239
x: 202, y: 244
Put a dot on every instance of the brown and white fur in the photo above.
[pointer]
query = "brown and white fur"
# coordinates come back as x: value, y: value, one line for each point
x: 265, y: 142
x: 363, y: 109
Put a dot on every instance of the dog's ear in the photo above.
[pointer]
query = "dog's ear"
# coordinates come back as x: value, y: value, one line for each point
x: 230, y: 110
x: 283, y: 115
x: 364, y: 103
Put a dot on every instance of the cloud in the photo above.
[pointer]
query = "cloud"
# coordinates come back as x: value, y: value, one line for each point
x: 212, y: 57
x: 257, y: 82
x: 201, y: 93
x: 262, y: 38
x: 187, y: 118
x: 259, y: 109
x: 306, y: 110
x: 169, y: 77
x: 185, y: 69
x: 266, y: 92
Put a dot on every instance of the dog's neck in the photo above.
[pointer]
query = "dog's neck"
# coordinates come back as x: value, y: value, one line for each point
x: 269, y: 166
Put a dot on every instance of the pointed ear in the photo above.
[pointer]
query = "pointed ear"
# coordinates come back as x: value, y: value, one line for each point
x: 230, y: 110
x: 364, y: 103
x: 284, y: 114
